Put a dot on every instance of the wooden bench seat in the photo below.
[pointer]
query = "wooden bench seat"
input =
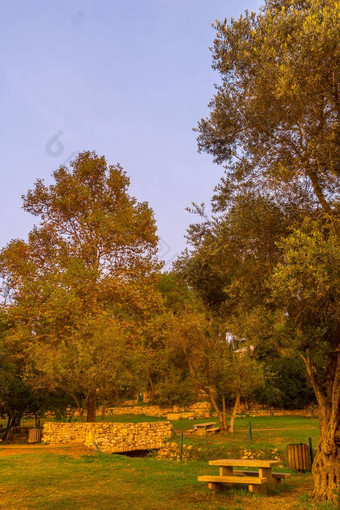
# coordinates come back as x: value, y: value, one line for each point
x: 281, y: 476
x: 219, y: 483
x: 214, y: 429
x: 278, y: 476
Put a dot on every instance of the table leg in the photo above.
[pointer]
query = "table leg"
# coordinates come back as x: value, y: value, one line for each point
x: 267, y: 473
x: 257, y: 489
x: 226, y: 471
x: 215, y: 487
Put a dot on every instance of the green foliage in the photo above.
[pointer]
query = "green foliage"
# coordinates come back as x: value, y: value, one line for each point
x: 178, y: 392
x: 82, y: 287
x: 286, y: 385
x: 270, y: 253
x: 175, y: 292
x: 282, y: 131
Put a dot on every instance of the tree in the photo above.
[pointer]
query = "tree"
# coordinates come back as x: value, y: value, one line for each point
x: 84, y: 282
x: 226, y: 376
x: 275, y: 118
x: 274, y: 123
x: 198, y: 354
x: 307, y: 285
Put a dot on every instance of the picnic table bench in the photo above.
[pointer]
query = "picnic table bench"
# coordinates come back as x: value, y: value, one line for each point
x: 201, y: 429
x: 257, y: 481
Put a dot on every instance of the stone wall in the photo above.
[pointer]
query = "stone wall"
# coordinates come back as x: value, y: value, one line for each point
x: 197, y: 410
x: 307, y: 413
x: 109, y: 437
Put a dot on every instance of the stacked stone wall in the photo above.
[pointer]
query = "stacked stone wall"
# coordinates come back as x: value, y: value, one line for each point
x: 307, y: 413
x: 197, y: 410
x: 109, y: 437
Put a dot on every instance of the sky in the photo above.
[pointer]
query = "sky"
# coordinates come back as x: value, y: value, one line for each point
x: 129, y: 79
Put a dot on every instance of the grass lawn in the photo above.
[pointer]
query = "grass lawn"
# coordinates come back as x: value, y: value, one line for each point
x: 268, y: 434
x: 47, y: 480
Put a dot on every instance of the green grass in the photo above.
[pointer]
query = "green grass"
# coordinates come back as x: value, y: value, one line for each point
x: 48, y: 481
x: 277, y: 433
x: 54, y: 482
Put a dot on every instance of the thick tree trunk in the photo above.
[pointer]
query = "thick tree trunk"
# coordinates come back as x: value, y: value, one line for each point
x: 91, y: 406
x: 233, y: 414
x: 326, y: 466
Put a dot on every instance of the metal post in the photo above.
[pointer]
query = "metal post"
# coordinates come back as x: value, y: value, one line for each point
x: 181, y: 447
x: 311, y: 451
x: 250, y: 433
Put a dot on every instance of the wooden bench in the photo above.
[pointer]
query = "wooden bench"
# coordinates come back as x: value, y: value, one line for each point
x: 213, y: 430
x: 219, y: 483
x: 278, y: 476
x: 201, y: 429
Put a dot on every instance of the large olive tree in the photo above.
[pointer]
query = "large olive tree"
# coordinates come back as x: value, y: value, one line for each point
x: 274, y: 125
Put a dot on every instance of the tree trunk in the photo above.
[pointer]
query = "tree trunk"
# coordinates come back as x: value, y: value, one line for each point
x: 13, y: 420
x: 233, y: 414
x: 152, y: 389
x: 37, y: 420
x: 71, y: 415
x: 116, y: 391
x: 91, y: 406
x: 224, y: 414
x: 103, y: 410
x: 215, y: 406
x: 326, y: 466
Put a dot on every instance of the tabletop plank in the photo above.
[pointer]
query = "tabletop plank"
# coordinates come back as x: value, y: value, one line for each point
x: 244, y: 462
x: 205, y: 424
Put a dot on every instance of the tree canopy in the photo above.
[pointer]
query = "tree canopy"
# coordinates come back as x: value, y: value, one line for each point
x: 266, y: 261
x: 275, y: 116
x: 81, y: 287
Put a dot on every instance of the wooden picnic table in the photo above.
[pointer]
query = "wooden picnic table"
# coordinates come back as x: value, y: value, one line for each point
x: 257, y: 481
x: 202, y: 428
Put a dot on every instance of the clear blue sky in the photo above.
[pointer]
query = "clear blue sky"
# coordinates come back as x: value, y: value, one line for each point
x: 126, y: 78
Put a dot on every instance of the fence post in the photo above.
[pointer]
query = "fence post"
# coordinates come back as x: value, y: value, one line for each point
x: 181, y: 447
x: 250, y: 433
